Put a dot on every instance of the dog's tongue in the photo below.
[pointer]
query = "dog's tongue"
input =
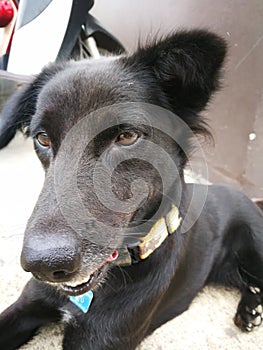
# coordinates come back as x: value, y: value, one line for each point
x: 113, y: 256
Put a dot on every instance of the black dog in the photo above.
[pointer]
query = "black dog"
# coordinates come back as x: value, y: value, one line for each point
x: 159, y: 270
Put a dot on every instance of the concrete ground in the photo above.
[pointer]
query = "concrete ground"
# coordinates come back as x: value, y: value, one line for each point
x: 207, y: 325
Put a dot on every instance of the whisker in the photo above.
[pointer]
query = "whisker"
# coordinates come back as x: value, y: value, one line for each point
x: 124, y: 274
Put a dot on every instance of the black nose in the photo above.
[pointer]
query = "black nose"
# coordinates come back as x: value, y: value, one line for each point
x: 51, y: 260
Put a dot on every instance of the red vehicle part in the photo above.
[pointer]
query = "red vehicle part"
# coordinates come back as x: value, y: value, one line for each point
x: 7, y: 25
x: 6, y: 12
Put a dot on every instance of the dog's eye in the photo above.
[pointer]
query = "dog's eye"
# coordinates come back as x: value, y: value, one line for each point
x: 128, y: 138
x: 43, y: 139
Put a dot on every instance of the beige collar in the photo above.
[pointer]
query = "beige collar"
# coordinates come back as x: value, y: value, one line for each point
x: 165, y: 226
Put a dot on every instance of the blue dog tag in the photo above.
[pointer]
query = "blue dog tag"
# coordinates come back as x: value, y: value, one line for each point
x: 82, y: 301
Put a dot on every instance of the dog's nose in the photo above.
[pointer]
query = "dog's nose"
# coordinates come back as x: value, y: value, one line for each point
x: 50, y: 261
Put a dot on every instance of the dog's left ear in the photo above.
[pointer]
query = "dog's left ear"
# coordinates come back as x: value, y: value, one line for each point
x: 14, y: 116
x: 19, y: 109
x: 187, y: 66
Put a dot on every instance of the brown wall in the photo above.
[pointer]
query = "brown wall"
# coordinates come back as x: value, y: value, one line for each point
x: 237, y: 110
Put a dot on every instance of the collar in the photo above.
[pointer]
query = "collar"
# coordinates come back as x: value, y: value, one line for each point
x: 164, y: 227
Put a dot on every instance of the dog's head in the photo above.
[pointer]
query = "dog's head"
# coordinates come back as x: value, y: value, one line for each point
x: 100, y: 127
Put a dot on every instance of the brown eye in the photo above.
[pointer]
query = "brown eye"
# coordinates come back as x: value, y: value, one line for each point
x: 43, y: 139
x: 127, y: 138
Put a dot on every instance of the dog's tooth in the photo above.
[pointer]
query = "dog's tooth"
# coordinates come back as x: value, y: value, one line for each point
x: 77, y: 283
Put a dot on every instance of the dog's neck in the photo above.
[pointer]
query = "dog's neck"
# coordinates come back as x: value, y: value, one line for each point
x: 162, y: 228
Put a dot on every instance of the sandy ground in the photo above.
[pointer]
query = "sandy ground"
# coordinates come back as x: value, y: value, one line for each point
x: 206, y: 325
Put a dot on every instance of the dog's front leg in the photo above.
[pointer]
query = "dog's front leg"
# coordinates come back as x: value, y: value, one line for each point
x: 35, y: 307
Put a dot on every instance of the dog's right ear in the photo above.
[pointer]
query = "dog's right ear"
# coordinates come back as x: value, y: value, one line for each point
x: 19, y: 109
x: 186, y: 65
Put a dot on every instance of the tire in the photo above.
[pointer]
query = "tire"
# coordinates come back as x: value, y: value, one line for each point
x: 97, y: 44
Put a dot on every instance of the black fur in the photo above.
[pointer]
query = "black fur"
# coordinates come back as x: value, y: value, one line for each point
x: 224, y: 246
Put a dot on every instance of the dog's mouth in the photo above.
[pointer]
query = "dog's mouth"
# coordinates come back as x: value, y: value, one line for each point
x: 91, y: 281
x: 87, y: 285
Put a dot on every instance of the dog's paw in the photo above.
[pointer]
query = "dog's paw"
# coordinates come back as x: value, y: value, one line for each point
x: 250, y: 310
